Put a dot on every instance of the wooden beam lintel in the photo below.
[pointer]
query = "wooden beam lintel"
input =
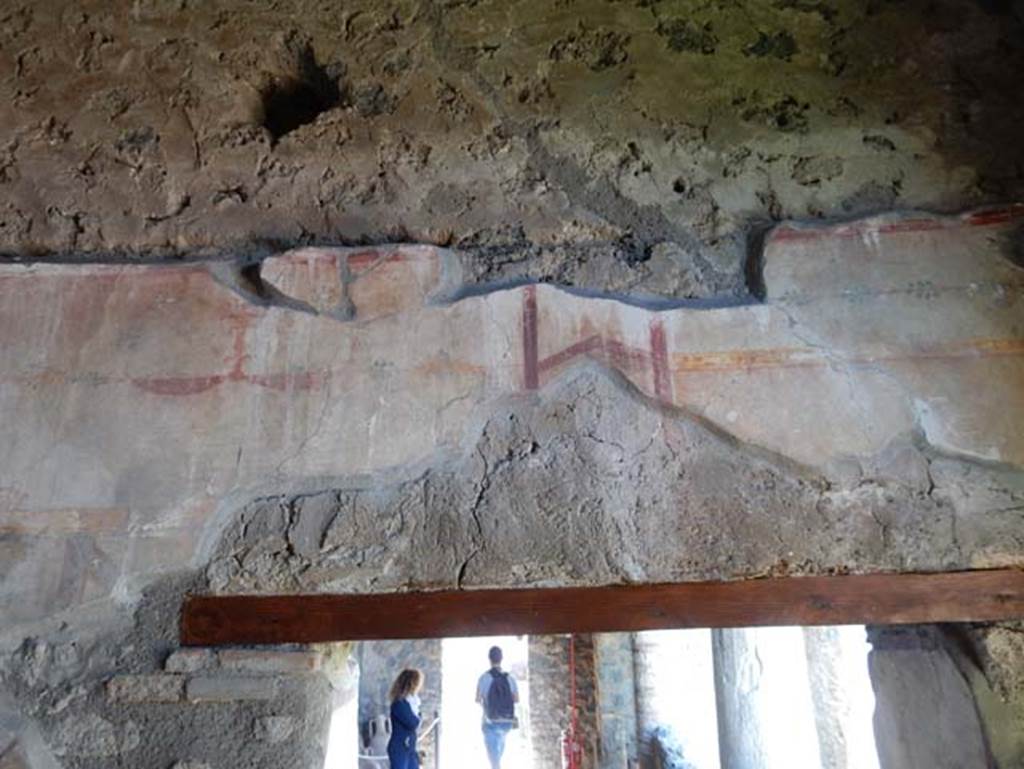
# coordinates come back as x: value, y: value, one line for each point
x: 968, y: 596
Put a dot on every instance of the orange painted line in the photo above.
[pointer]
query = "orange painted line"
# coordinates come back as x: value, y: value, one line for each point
x: 63, y: 520
x: 735, y: 360
x: 363, y: 259
x: 612, y: 352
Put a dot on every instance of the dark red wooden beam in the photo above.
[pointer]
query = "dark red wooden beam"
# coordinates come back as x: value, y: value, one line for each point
x: 970, y: 596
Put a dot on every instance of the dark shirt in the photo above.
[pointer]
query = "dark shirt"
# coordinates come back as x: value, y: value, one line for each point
x: 402, y: 745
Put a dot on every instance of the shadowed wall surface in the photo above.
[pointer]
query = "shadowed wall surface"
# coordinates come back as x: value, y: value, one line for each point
x: 626, y: 145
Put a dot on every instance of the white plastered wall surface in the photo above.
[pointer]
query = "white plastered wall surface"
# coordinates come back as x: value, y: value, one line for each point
x: 143, y: 406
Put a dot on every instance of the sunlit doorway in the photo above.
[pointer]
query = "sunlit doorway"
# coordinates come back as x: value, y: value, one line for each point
x: 463, y: 660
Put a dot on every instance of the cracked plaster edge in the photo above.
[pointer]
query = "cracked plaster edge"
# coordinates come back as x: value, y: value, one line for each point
x: 552, y: 392
x: 228, y: 266
x: 450, y: 289
x: 823, y: 478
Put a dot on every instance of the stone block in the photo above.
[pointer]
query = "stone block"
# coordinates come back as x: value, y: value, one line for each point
x: 190, y: 660
x: 91, y: 736
x: 146, y: 688
x: 274, y: 729
x: 271, y: 662
x: 230, y: 688
x: 190, y: 765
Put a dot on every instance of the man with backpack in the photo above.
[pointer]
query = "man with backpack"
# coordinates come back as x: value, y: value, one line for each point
x: 497, y: 693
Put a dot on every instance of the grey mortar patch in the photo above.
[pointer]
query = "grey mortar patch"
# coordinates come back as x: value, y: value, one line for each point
x: 590, y: 484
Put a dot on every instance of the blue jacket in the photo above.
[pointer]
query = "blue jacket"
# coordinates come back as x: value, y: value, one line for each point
x: 402, y: 745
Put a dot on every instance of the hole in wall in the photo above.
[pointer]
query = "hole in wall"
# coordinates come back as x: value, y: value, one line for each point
x: 291, y: 103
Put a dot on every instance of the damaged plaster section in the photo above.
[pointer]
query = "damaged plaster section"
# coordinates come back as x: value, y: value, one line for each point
x: 589, y: 483
x: 622, y: 147
x: 886, y: 353
x: 591, y: 478
x: 585, y: 481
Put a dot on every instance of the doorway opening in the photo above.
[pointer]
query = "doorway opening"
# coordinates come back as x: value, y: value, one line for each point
x: 463, y: 661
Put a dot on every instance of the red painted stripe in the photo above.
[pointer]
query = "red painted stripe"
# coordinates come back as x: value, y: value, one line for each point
x: 856, y: 229
x: 531, y: 378
x: 298, y: 380
x: 190, y: 385
x: 364, y: 259
x: 583, y: 347
x: 659, y: 362
x: 623, y: 357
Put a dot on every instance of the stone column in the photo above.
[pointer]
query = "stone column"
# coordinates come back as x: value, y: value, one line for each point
x: 616, y: 701
x: 841, y: 693
x: 675, y: 699
x: 549, y: 698
x: 587, y: 706
x: 765, y: 714
x: 925, y: 713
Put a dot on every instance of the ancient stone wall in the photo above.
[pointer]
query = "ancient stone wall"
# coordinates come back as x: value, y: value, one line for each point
x: 131, y: 697
x: 692, y: 397
x: 617, y: 728
x: 549, y: 698
x: 627, y: 146
x: 349, y: 421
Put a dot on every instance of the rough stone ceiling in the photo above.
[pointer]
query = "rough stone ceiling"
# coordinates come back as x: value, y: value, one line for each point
x: 629, y: 145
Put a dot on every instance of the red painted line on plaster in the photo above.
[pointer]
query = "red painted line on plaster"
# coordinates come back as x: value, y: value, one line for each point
x: 997, y: 215
x: 659, y: 362
x: 583, y: 347
x: 623, y: 356
x: 857, y: 229
x: 531, y: 377
x: 611, y: 352
x: 177, y: 386
x: 298, y: 380
x: 194, y: 385
x: 364, y: 259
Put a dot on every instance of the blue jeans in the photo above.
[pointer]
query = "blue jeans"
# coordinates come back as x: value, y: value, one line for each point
x: 494, y: 740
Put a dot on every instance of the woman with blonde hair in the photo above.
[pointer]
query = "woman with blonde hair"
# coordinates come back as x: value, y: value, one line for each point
x: 405, y: 719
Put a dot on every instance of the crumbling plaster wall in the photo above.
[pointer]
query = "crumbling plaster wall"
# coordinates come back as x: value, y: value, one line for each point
x: 635, y: 147
x: 125, y: 694
x: 622, y: 145
x: 609, y: 465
